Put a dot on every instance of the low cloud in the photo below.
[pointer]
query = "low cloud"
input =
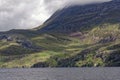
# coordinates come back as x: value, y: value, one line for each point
x: 25, y: 14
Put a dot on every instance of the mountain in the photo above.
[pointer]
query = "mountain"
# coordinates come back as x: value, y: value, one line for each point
x: 78, y: 18
x: 75, y: 36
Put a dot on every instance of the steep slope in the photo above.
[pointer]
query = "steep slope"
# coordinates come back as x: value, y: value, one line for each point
x: 80, y: 18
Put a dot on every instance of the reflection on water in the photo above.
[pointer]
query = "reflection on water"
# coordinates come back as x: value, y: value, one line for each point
x: 61, y: 74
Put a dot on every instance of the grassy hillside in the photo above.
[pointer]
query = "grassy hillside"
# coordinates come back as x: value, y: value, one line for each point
x: 96, y: 47
x: 76, y: 36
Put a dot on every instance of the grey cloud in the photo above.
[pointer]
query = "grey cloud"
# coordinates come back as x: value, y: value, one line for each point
x: 18, y: 14
x: 24, y: 14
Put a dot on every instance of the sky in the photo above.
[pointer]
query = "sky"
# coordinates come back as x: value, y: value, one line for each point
x: 27, y: 14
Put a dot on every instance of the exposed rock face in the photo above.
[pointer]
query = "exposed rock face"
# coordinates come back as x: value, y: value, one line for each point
x: 79, y: 35
x: 25, y: 43
x: 5, y: 37
x: 108, y: 39
x: 2, y: 37
x: 28, y: 44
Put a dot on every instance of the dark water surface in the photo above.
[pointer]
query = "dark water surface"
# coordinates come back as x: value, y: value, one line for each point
x: 61, y: 74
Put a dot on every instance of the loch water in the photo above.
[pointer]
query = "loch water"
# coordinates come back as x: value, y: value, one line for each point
x: 60, y: 74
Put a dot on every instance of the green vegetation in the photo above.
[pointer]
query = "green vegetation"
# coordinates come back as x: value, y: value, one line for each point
x: 77, y: 36
x: 92, y: 48
x: 25, y: 60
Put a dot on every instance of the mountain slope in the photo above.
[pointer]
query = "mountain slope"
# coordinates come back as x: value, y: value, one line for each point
x: 78, y: 18
x: 76, y: 36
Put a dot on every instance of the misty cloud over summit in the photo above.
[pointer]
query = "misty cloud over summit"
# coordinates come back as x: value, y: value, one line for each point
x: 24, y: 14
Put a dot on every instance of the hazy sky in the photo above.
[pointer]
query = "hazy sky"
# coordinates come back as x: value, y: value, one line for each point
x: 25, y: 14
